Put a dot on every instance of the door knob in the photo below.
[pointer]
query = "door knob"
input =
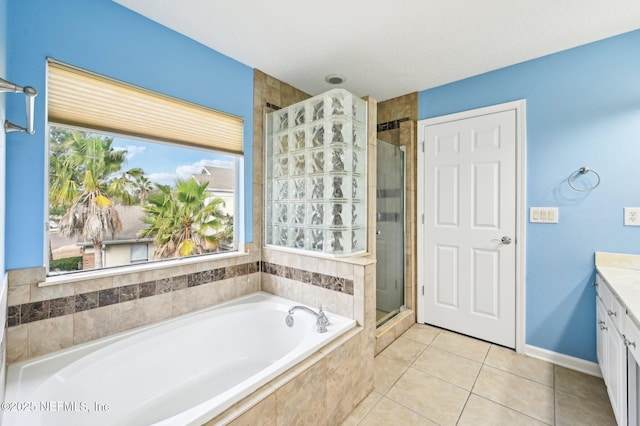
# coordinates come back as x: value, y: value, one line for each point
x: 505, y: 240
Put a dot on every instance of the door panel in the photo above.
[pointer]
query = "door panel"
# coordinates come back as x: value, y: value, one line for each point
x: 470, y: 205
x: 486, y: 195
x: 447, y: 195
x: 447, y: 273
x: 485, y: 291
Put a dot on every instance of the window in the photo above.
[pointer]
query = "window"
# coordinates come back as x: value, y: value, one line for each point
x: 139, y: 253
x: 120, y: 194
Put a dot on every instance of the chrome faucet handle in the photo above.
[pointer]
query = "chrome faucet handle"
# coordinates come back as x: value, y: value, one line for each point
x: 322, y: 318
x: 321, y: 325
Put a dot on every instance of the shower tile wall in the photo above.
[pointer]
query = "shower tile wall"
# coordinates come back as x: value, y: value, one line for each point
x: 399, y: 108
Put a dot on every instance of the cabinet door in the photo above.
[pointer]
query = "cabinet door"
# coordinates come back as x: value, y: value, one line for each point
x: 601, y: 338
x: 632, y: 333
x: 599, y: 285
x: 617, y: 374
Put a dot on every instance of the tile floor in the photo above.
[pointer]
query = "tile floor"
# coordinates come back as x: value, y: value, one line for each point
x: 430, y: 376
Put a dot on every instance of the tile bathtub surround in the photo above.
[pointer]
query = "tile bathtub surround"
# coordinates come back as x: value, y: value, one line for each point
x: 307, y: 394
x: 46, y: 319
x: 330, y: 282
x: 67, y: 305
x: 80, y: 312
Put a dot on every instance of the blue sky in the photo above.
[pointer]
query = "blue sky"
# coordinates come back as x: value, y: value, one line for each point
x: 164, y: 163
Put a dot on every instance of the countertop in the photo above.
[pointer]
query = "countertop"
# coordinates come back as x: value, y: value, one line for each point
x: 622, y: 274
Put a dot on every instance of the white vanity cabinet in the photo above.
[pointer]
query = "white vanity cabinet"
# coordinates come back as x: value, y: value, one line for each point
x: 631, y: 334
x: 601, y: 337
x: 611, y: 348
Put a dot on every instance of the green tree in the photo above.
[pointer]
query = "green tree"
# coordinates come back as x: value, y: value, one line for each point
x: 183, y: 221
x: 225, y: 236
x: 142, y: 187
x: 85, y: 181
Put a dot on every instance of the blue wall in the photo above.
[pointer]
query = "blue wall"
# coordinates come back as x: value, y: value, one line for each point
x: 583, y: 109
x: 104, y: 37
x: 3, y: 74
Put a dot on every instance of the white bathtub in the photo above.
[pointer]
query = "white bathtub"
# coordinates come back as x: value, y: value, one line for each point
x: 182, y: 371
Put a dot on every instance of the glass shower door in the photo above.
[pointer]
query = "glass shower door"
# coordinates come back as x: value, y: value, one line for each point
x: 390, y: 231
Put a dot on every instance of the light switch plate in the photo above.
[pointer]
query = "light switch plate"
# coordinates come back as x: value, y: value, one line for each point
x: 632, y: 216
x: 544, y: 215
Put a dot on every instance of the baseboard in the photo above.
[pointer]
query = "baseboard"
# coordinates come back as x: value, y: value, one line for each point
x: 563, y: 360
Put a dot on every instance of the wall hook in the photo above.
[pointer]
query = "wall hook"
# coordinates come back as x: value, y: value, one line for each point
x: 30, y: 97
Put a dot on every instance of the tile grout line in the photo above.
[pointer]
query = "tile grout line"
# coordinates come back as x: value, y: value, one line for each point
x: 482, y: 365
x: 408, y: 408
x: 524, y: 378
x: 473, y: 386
x: 512, y: 409
x: 463, y: 407
x: 366, y: 413
x: 409, y: 366
x: 445, y: 381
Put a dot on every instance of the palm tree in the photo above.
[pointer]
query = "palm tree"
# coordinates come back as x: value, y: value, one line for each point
x: 83, y: 180
x: 142, y: 186
x: 182, y: 221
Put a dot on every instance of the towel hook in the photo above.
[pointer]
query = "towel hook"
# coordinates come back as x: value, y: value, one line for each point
x: 583, y: 171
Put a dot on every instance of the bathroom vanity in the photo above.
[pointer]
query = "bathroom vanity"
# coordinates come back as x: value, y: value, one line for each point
x: 618, y: 331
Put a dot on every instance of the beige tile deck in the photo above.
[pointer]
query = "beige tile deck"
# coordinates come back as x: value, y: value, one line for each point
x: 433, y: 376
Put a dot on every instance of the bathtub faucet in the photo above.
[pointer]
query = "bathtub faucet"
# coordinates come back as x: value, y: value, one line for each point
x: 321, y: 319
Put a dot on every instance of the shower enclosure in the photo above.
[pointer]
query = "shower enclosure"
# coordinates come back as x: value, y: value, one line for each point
x: 390, y: 231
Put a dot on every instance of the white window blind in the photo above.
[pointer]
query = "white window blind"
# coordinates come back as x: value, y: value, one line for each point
x: 84, y: 99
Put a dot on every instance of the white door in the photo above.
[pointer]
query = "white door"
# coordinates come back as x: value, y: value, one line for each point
x: 469, y: 232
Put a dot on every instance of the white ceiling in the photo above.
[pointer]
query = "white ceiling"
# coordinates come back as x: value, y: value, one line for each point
x: 389, y: 48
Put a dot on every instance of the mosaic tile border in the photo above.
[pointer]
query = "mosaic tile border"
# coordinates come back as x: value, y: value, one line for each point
x: 342, y: 285
x: 52, y: 308
x: 45, y: 309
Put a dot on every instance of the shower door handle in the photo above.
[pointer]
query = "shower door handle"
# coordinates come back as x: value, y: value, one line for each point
x: 378, y: 232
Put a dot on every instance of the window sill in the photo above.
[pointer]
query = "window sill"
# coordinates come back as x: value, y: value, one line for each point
x: 92, y: 275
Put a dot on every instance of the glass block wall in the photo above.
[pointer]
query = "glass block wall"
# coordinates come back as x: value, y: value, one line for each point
x: 316, y: 183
